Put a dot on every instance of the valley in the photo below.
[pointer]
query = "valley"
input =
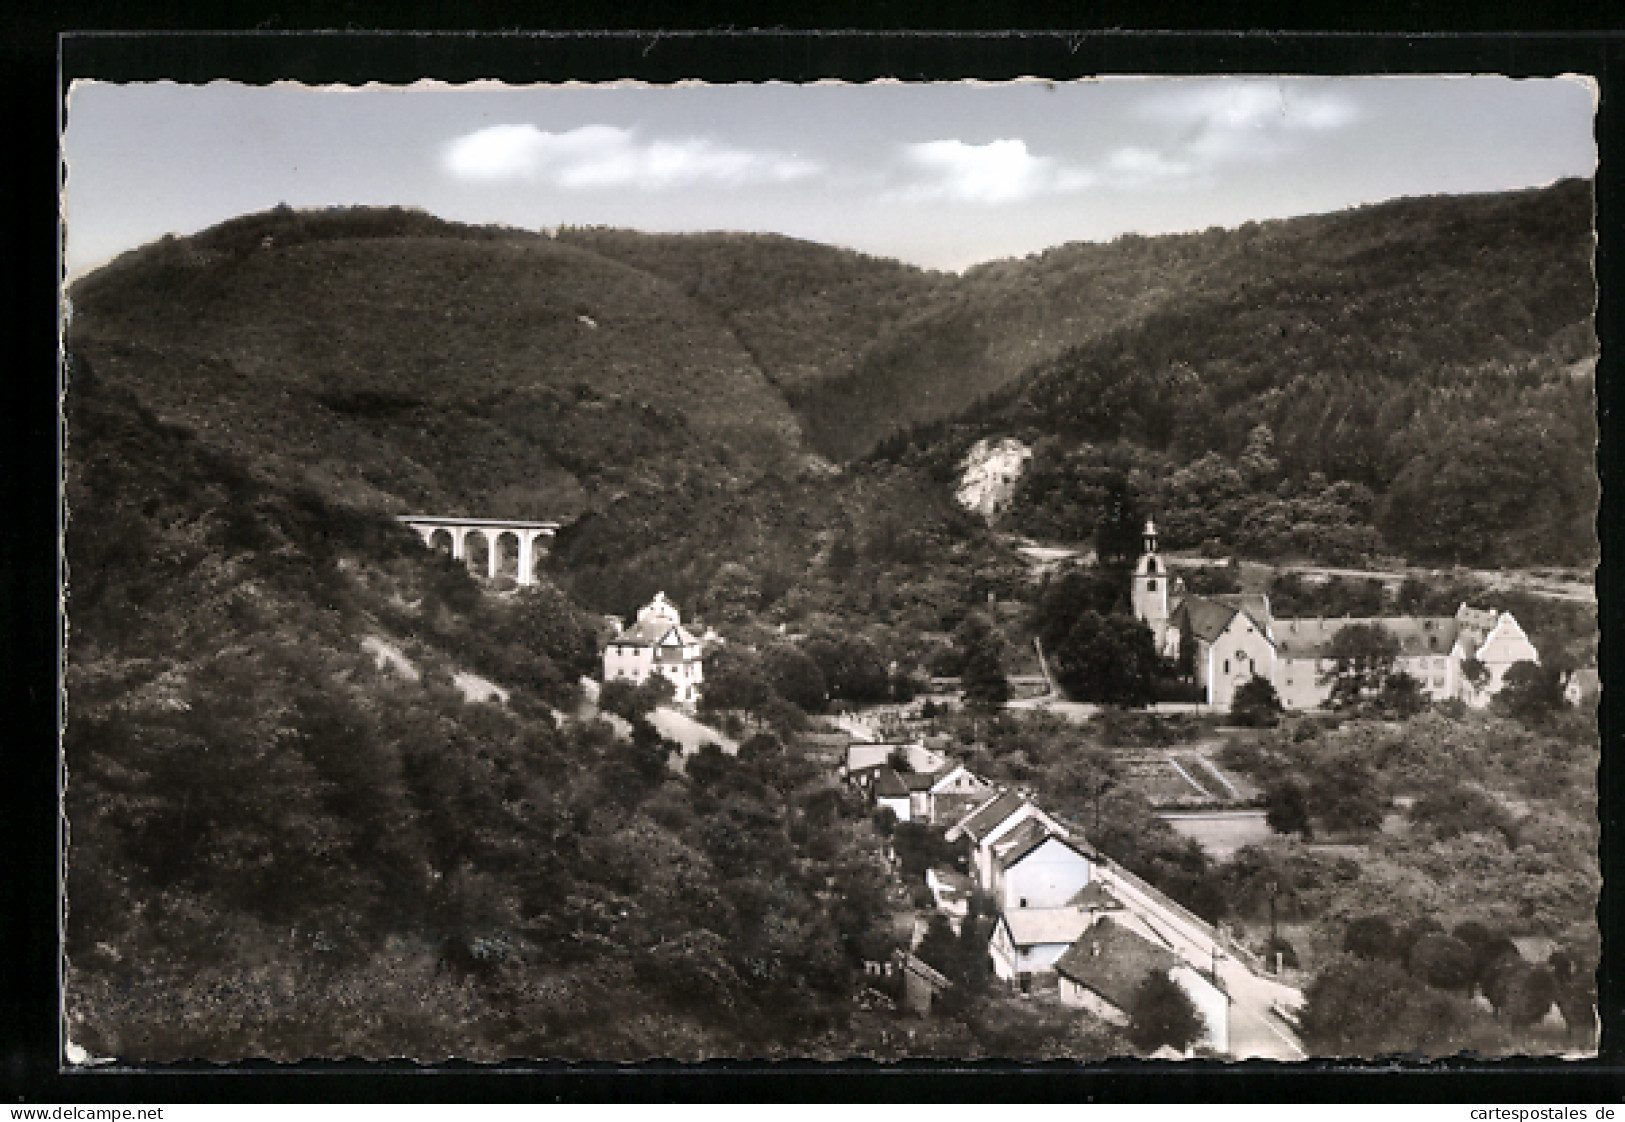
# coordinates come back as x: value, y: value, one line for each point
x: 324, y: 773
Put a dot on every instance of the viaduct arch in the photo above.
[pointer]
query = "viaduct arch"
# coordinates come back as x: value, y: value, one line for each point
x: 456, y: 534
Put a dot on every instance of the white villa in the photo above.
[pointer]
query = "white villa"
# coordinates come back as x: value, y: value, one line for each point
x: 657, y: 644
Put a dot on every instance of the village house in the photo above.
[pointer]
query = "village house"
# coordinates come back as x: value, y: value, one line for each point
x: 1030, y: 942
x: 989, y: 822
x: 1034, y: 868
x: 657, y: 644
x: 1236, y: 638
x: 1101, y: 971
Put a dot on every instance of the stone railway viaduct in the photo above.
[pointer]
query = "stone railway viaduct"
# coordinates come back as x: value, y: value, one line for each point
x: 502, y: 538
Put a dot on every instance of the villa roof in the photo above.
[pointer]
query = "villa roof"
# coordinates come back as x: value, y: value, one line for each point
x: 1113, y: 961
x: 652, y: 633
x: 1417, y: 635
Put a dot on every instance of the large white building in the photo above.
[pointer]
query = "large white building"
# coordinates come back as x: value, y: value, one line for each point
x: 657, y: 644
x: 1463, y: 657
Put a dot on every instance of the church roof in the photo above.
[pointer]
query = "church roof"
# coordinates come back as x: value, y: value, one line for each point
x: 1417, y: 635
x: 1208, y: 616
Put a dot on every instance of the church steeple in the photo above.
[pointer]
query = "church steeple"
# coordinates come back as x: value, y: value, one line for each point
x: 1150, y: 592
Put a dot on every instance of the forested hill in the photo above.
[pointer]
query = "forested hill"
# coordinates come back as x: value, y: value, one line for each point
x: 1423, y: 368
x: 397, y: 362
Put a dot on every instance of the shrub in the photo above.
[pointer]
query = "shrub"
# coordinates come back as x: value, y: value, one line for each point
x: 1442, y: 961
x: 1370, y: 937
x: 1161, y: 1013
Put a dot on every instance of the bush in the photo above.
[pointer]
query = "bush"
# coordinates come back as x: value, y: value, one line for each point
x: 1370, y: 937
x: 1442, y: 961
x: 1256, y: 705
x: 1358, y: 1007
x: 1162, y: 1014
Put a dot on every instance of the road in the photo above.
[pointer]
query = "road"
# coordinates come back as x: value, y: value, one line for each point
x: 1254, y: 1031
x: 1046, y: 558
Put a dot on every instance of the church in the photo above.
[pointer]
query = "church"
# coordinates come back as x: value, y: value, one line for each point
x: 1235, y: 637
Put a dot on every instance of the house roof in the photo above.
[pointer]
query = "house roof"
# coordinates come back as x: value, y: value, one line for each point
x: 1417, y: 635
x: 1012, y: 856
x: 1094, y: 895
x: 1029, y: 833
x: 925, y: 971
x: 1113, y: 961
x: 986, y: 819
x: 1034, y: 926
x: 888, y: 785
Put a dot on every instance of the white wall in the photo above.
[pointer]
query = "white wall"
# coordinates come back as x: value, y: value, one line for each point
x: 1048, y: 877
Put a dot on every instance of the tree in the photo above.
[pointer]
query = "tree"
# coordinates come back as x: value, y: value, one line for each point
x: 986, y: 688
x: 1532, y: 691
x: 1286, y: 810
x: 1256, y: 704
x: 1161, y: 1014
x: 795, y: 677
x: 1344, y: 794
x: 1357, y: 1007
x: 1402, y: 695
x: 1107, y: 659
x: 1363, y: 656
x: 734, y: 681
x: 1369, y: 937
x: 1118, y: 533
x: 1442, y: 961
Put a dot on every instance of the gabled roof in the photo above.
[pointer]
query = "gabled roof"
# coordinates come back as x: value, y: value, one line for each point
x: 1204, y: 618
x: 888, y: 785
x: 1030, y: 927
x: 984, y: 820
x: 1095, y: 895
x: 651, y: 633
x: 1113, y: 961
x: 1208, y: 616
x: 949, y: 770
x: 1255, y: 605
x: 1013, y: 856
x: 1030, y: 833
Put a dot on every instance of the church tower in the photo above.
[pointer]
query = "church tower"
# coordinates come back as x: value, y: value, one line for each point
x: 1150, y: 596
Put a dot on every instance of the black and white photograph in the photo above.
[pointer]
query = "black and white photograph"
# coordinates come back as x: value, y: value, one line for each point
x: 905, y: 570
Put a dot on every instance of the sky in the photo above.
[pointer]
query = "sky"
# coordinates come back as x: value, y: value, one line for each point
x: 940, y: 175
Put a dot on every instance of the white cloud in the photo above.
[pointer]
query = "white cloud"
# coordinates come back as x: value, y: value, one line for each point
x: 604, y: 156
x: 1214, y: 122
x: 1133, y: 166
x: 1239, y: 106
x: 1000, y: 171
